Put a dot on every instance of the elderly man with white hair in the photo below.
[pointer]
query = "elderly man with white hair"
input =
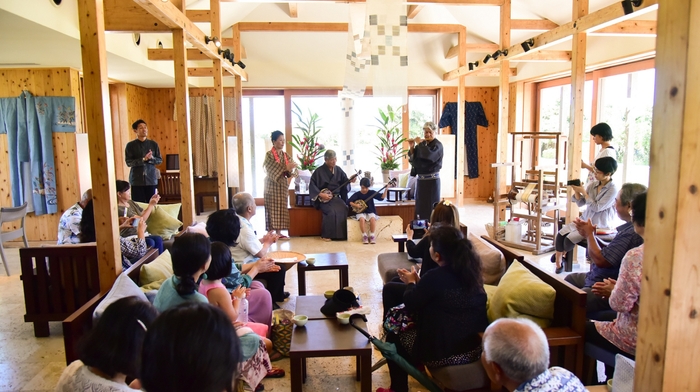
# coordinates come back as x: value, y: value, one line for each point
x: 516, y: 356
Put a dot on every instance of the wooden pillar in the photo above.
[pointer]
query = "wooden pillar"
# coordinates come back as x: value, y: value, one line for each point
x: 99, y: 125
x: 215, y: 13
x: 668, y: 343
x: 461, y: 97
x: 504, y: 97
x: 184, y: 137
x: 578, y: 82
x: 238, y: 98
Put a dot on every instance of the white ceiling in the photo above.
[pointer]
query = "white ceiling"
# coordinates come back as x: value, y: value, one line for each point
x: 37, y: 32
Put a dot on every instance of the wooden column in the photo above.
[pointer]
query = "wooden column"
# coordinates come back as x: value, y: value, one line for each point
x: 504, y: 98
x: 238, y: 98
x: 578, y: 82
x: 99, y: 125
x: 184, y: 137
x: 668, y: 343
x: 461, y: 96
x: 215, y: 13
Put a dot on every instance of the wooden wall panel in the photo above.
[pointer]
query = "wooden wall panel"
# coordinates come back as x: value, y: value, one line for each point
x: 482, y: 187
x: 44, y: 82
x: 120, y: 128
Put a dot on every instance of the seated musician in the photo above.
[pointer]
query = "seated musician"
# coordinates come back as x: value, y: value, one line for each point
x: 328, y: 189
x: 359, y: 201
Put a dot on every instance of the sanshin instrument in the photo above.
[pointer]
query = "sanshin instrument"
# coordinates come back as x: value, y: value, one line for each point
x: 361, y: 205
x: 333, y: 192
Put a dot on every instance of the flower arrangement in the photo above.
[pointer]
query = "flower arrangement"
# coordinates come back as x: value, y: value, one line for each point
x: 307, y: 145
x: 390, y: 149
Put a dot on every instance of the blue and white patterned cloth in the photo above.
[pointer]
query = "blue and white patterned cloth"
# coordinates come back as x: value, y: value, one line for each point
x: 474, y: 115
x: 69, y: 225
x: 553, y: 379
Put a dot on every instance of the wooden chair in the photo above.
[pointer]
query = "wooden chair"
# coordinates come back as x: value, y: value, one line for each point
x: 169, y: 187
x: 12, y: 214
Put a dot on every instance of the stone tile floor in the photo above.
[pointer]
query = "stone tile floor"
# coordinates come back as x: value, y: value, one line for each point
x: 35, y: 364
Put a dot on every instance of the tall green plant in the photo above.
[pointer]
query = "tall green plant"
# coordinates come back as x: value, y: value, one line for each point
x: 307, y: 145
x: 390, y: 149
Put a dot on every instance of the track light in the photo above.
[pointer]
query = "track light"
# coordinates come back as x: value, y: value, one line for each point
x: 527, y: 45
x: 499, y: 53
x: 627, y: 5
x: 240, y: 64
x: 215, y: 40
x: 473, y: 65
x: 487, y: 58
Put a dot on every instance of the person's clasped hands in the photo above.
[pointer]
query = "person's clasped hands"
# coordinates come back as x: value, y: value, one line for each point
x: 407, y: 276
x: 270, y: 238
x: 266, y: 264
x: 585, y: 227
x: 604, y: 289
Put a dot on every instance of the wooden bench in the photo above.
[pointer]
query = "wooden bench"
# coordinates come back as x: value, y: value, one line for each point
x: 79, y: 322
x: 566, y: 334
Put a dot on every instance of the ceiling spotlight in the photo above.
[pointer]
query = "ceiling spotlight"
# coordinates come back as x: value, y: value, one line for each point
x: 627, y: 5
x: 487, y: 58
x: 496, y: 54
x: 215, y: 40
x: 527, y: 45
x: 471, y: 66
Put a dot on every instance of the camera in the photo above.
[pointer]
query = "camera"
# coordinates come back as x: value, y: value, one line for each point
x: 419, y: 224
x: 135, y: 223
x: 576, y: 182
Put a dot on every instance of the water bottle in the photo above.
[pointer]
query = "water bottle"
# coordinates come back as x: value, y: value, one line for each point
x: 243, y: 310
x: 302, y: 186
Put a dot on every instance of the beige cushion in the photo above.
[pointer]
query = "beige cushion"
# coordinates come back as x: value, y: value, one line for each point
x: 493, y: 264
x: 522, y: 294
x: 159, y: 269
x: 152, y: 286
x: 403, y: 179
x: 397, y: 173
x: 163, y: 220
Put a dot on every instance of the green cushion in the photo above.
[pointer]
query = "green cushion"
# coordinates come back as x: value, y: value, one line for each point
x: 522, y: 294
x: 157, y: 270
x: 152, y: 286
x: 163, y: 220
x: 403, y: 179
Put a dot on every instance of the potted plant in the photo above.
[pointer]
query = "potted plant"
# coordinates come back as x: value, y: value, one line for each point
x: 390, y: 149
x: 307, y: 145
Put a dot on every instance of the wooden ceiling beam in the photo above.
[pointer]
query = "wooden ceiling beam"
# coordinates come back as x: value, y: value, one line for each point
x: 594, y: 21
x: 333, y: 27
x: 193, y: 54
x: 532, y: 24
x: 170, y: 15
x: 199, y: 16
x: 472, y: 48
x: 121, y: 15
x: 630, y: 27
x: 448, y: 2
x: 293, y: 10
x: 413, y: 10
x: 202, y: 72
x: 492, y: 72
x: 546, y: 55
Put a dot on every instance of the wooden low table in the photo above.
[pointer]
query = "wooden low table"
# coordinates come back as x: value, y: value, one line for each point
x: 328, y: 338
x: 324, y: 262
x: 310, y: 306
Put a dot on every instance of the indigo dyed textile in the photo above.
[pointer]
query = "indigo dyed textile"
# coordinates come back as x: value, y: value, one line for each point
x: 474, y: 115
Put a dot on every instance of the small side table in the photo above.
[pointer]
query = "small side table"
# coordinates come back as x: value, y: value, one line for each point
x: 401, y: 240
x: 397, y: 192
x: 324, y: 262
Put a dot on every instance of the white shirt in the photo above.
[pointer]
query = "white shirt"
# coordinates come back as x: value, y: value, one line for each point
x: 248, y: 244
x: 77, y: 377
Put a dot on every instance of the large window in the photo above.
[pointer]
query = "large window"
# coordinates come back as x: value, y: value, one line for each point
x: 620, y: 96
x: 422, y: 110
x: 261, y: 116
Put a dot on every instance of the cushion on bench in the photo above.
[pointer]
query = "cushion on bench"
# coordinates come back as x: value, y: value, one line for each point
x: 158, y: 270
x: 163, y: 220
x: 123, y: 287
x: 388, y: 263
x: 522, y: 294
x: 493, y: 263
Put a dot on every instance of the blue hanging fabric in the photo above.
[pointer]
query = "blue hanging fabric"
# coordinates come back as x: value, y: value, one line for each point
x: 29, y: 122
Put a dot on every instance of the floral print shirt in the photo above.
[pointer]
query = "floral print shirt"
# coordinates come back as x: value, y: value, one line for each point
x: 553, y: 379
x: 69, y: 225
x: 622, y: 332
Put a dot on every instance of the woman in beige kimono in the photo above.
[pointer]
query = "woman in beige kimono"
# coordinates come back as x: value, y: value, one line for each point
x: 278, y: 166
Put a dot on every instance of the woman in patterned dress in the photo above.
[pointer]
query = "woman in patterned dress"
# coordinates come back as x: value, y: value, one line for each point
x: 278, y: 166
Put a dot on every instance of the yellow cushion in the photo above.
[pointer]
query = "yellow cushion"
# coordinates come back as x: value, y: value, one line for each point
x: 403, y: 179
x: 159, y: 269
x: 162, y: 222
x: 522, y: 294
x: 152, y: 286
x: 490, y: 291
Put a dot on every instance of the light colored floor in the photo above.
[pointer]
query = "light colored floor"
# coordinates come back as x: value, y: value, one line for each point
x: 35, y: 364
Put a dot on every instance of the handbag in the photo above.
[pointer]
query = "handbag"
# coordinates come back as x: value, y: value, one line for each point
x: 398, y: 319
x: 282, y: 328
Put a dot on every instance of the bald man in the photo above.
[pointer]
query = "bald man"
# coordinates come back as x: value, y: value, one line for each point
x: 69, y: 224
x: 516, y: 356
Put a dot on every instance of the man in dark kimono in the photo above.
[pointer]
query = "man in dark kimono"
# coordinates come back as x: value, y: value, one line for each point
x: 142, y: 155
x: 425, y: 156
x: 332, y: 203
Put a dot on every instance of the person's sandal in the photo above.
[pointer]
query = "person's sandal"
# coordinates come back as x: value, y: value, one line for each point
x: 275, y: 373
